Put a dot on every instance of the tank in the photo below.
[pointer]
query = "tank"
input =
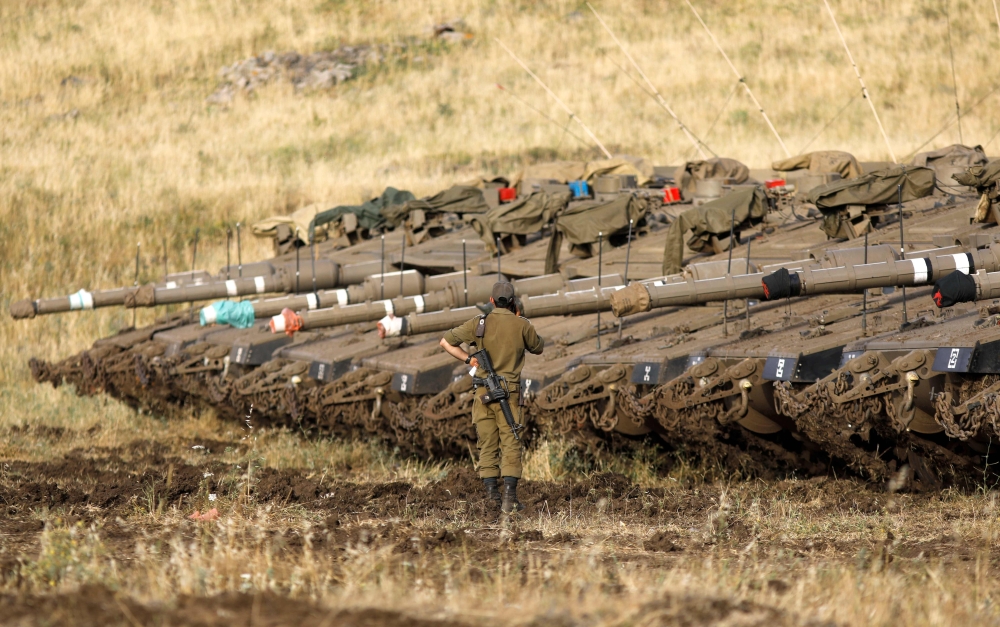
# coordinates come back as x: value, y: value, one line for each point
x: 710, y: 361
x: 777, y: 382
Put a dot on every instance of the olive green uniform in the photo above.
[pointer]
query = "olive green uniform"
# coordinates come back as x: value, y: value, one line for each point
x: 506, y: 338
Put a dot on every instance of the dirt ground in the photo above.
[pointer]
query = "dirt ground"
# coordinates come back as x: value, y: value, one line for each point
x: 105, y: 535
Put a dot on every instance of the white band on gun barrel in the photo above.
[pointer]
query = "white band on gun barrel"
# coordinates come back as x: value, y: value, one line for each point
x: 342, y: 298
x: 171, y: 285
x: 231, y: 288
x: 278, y: 322
x: 210, y: 314
x: 961, y: 262
x: 311, y: 301
x: 419, y: 301
x: 392, y: 325
x: 81, y: 300
x: 388, y: 307
x: 258, y: 281
x: 919, y: 271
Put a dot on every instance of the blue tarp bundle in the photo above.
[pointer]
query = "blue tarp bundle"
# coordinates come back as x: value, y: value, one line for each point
x: 235, y: 314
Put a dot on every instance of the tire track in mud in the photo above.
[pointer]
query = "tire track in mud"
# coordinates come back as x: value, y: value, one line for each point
x: 98, y: 605
x: 114, y: 480
x: 110, y: 486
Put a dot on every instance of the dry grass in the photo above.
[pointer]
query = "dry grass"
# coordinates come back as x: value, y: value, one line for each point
x: 786, y: 553
x: 145, y: 158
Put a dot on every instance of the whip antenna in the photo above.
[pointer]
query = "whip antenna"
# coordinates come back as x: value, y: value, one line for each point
x: 556, y: 98
x: 628, y: 251
x: 465, y: 275
x: 239, y: 251
x: 902, y: 245
x: 194, y: 252
x: 312, y: 253
x: 954, y: 78
x: 135, y: 283
x: 749, y: 243
x: 864, y: 90
x: 996, y: 11
x: 741, y: 79
x: 729, y: 272
x: 402, y: 263
x: 656, y: 94
x: 600, y: 263
x: 565, y: 129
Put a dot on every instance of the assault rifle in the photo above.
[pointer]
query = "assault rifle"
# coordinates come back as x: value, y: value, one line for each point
x: 496, y: 390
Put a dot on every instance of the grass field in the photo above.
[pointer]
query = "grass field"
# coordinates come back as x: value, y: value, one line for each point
x: 107, y: 139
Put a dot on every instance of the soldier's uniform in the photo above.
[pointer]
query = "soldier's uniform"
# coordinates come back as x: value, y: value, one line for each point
x: 506, y: 337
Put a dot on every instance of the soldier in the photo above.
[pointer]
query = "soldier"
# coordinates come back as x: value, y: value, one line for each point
x: 505, y: 336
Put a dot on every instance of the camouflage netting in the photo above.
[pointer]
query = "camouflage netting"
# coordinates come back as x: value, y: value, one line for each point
x: 687, y: 175
x: 822, y: 162
x: 710, y: 225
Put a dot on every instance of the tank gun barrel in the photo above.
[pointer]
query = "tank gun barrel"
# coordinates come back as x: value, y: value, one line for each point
x: 963, y: 287
x: 413, y: 283
x: 266, y: 278
x: 575, y: 302
x: 452, y: 295
x: 813, y: 277
x: 912, y: 272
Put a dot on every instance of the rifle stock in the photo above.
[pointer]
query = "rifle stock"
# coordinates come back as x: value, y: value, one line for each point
x: 495, y: 390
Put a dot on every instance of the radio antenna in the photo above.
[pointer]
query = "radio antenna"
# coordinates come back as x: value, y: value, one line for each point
x: 656, y: 94
x: 742, y: 80
x: 864, y: 90
x: 135, y: 283
x: 556, y: 98
x: 954, y: 78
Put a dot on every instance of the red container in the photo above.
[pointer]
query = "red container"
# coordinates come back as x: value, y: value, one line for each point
x: 671, y: 194
x: 772, y: 183
x: 507, y: 194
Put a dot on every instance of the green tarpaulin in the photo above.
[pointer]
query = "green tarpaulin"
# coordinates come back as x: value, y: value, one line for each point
x: 822, y: 162
x: 369, y: 214
x: 714, y: 218
x: 566, y: 171
x: 687, y: 175
x: 952, y: 156
x: 986, y: 180
x: 460, y: 199
x: 527, y: 214
x: 876, y: 188
x: 583, y: 223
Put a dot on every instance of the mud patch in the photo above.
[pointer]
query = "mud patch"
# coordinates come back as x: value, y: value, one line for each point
x: 699, y: 610
x: 97, y: 605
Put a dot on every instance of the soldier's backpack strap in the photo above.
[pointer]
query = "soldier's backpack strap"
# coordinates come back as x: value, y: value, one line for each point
x: 481, y: 326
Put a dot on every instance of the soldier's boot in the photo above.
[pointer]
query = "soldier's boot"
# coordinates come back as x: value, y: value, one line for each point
x: 510, y: 503
x: 492, y: 490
